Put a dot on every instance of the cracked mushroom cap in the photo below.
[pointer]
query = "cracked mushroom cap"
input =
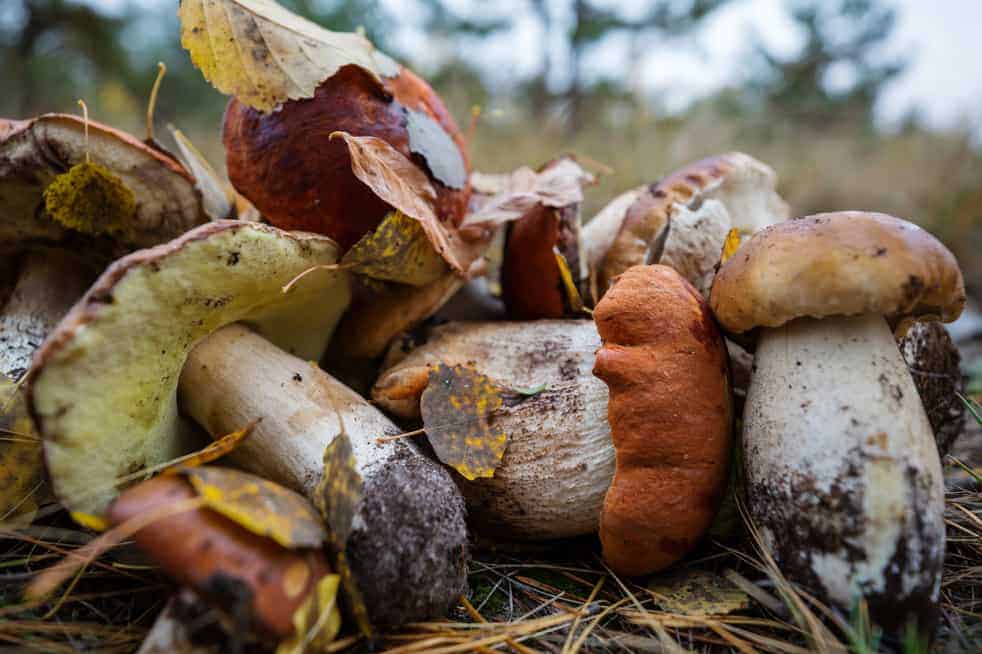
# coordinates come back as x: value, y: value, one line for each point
x: 104, y: 388
x: 34, y: 152
x: 701, y: 201
x: 838, y: 264
x: 670, y: 415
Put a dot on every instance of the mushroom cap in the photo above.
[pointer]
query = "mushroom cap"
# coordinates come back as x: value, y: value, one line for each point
x: 286, y: 164
x: 244, y: 573
x: 33, y: 152
x: 670, y: 415
x: 619, y: 237
x: 838, y: 264
x: 103, y: 389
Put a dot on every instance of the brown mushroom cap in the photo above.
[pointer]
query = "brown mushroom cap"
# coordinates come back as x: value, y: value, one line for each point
x: 103, y: 389
x: 33, y: 152
x: 670, y: 415
x: 250, y: 576
x: 286, y: 164
x: 838, y: 264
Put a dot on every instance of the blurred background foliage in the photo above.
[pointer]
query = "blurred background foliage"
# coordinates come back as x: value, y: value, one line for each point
x: 816, y: 128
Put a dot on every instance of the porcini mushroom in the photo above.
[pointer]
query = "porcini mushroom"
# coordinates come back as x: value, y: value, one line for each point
x: 298, y: 177
x: 843, y: 475
x: 251, y: 549
x: 106, y: 385
x: 697, y: 205
x: 56, y: 262
x: 669, y: 413
x: 559, y: 459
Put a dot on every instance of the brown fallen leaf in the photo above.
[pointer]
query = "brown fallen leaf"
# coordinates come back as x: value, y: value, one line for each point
x: 513, y: 195
x: 259, y: 505
x: 211, y: 452
x: 264, y: 54
x: 456, y: 408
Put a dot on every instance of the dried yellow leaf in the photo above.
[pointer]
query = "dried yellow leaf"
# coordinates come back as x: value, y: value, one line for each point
x: 263, y: 54
x: 397, y: 251
x: 457, y: 408
x: 730, y: 245
x: 317, y: 622
x: 259, y: 505
x: 224, y: 445
x: 573, y: 299
x: 89, y: 521
x: 694, y: 592
x: 22, y: 480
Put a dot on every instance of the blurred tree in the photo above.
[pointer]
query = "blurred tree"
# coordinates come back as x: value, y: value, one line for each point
x: 47, y: 46
x: 835, y: 74
x: 570, y: 29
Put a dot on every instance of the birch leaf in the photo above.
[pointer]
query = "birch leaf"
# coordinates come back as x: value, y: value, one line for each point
x: 263, y: 54
x: 397, y: 251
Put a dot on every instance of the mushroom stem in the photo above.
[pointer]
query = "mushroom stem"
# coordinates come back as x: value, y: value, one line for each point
x: 48, y: 284
x: 408, y: 531
x: 844, y: 478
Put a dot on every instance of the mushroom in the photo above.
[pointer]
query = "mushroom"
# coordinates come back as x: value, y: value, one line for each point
x: 697, y: 204
x: 843, y: 476
x: 539, y: 245
x: 287, y: 165
x: 107, y: 382
x: 935, y: 365
x: 251, y: 549
x: 57, y: 262
x: 559, y: 459
x: 665, y: 364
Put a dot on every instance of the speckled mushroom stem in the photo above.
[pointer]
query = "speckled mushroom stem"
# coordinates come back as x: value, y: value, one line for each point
x: 408, y: 547
x: 48, y: 283
x: 844, y: 476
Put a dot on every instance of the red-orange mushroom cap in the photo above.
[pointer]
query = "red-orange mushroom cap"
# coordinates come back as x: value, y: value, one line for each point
x: 287, y: 165
x: 670, y: 415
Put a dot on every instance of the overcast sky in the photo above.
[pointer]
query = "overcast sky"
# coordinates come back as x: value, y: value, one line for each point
x: 940, y: 38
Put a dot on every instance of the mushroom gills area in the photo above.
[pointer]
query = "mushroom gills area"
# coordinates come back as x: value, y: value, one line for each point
x: 408, y: 544
x: 48, y: 283
x: 844, y: 478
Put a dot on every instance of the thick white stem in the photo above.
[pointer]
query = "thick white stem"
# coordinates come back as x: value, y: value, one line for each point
x: 48, y: 284
x: 235, y: 377
x: 408, y: 545
x: 843, y: 474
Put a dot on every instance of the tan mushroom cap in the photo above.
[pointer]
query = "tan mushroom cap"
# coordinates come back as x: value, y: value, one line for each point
x: 33, y: 152
x: 838, y: 264
x: 103, y: 390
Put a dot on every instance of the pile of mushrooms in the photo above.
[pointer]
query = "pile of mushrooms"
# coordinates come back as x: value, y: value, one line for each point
x: 610, y: 351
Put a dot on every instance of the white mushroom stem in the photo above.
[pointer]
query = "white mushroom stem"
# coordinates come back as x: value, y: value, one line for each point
x: 48, y: 284
x: 235, y: 377
x: 559, y: 460
x: 844, y: 476
x: 408, y: 542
